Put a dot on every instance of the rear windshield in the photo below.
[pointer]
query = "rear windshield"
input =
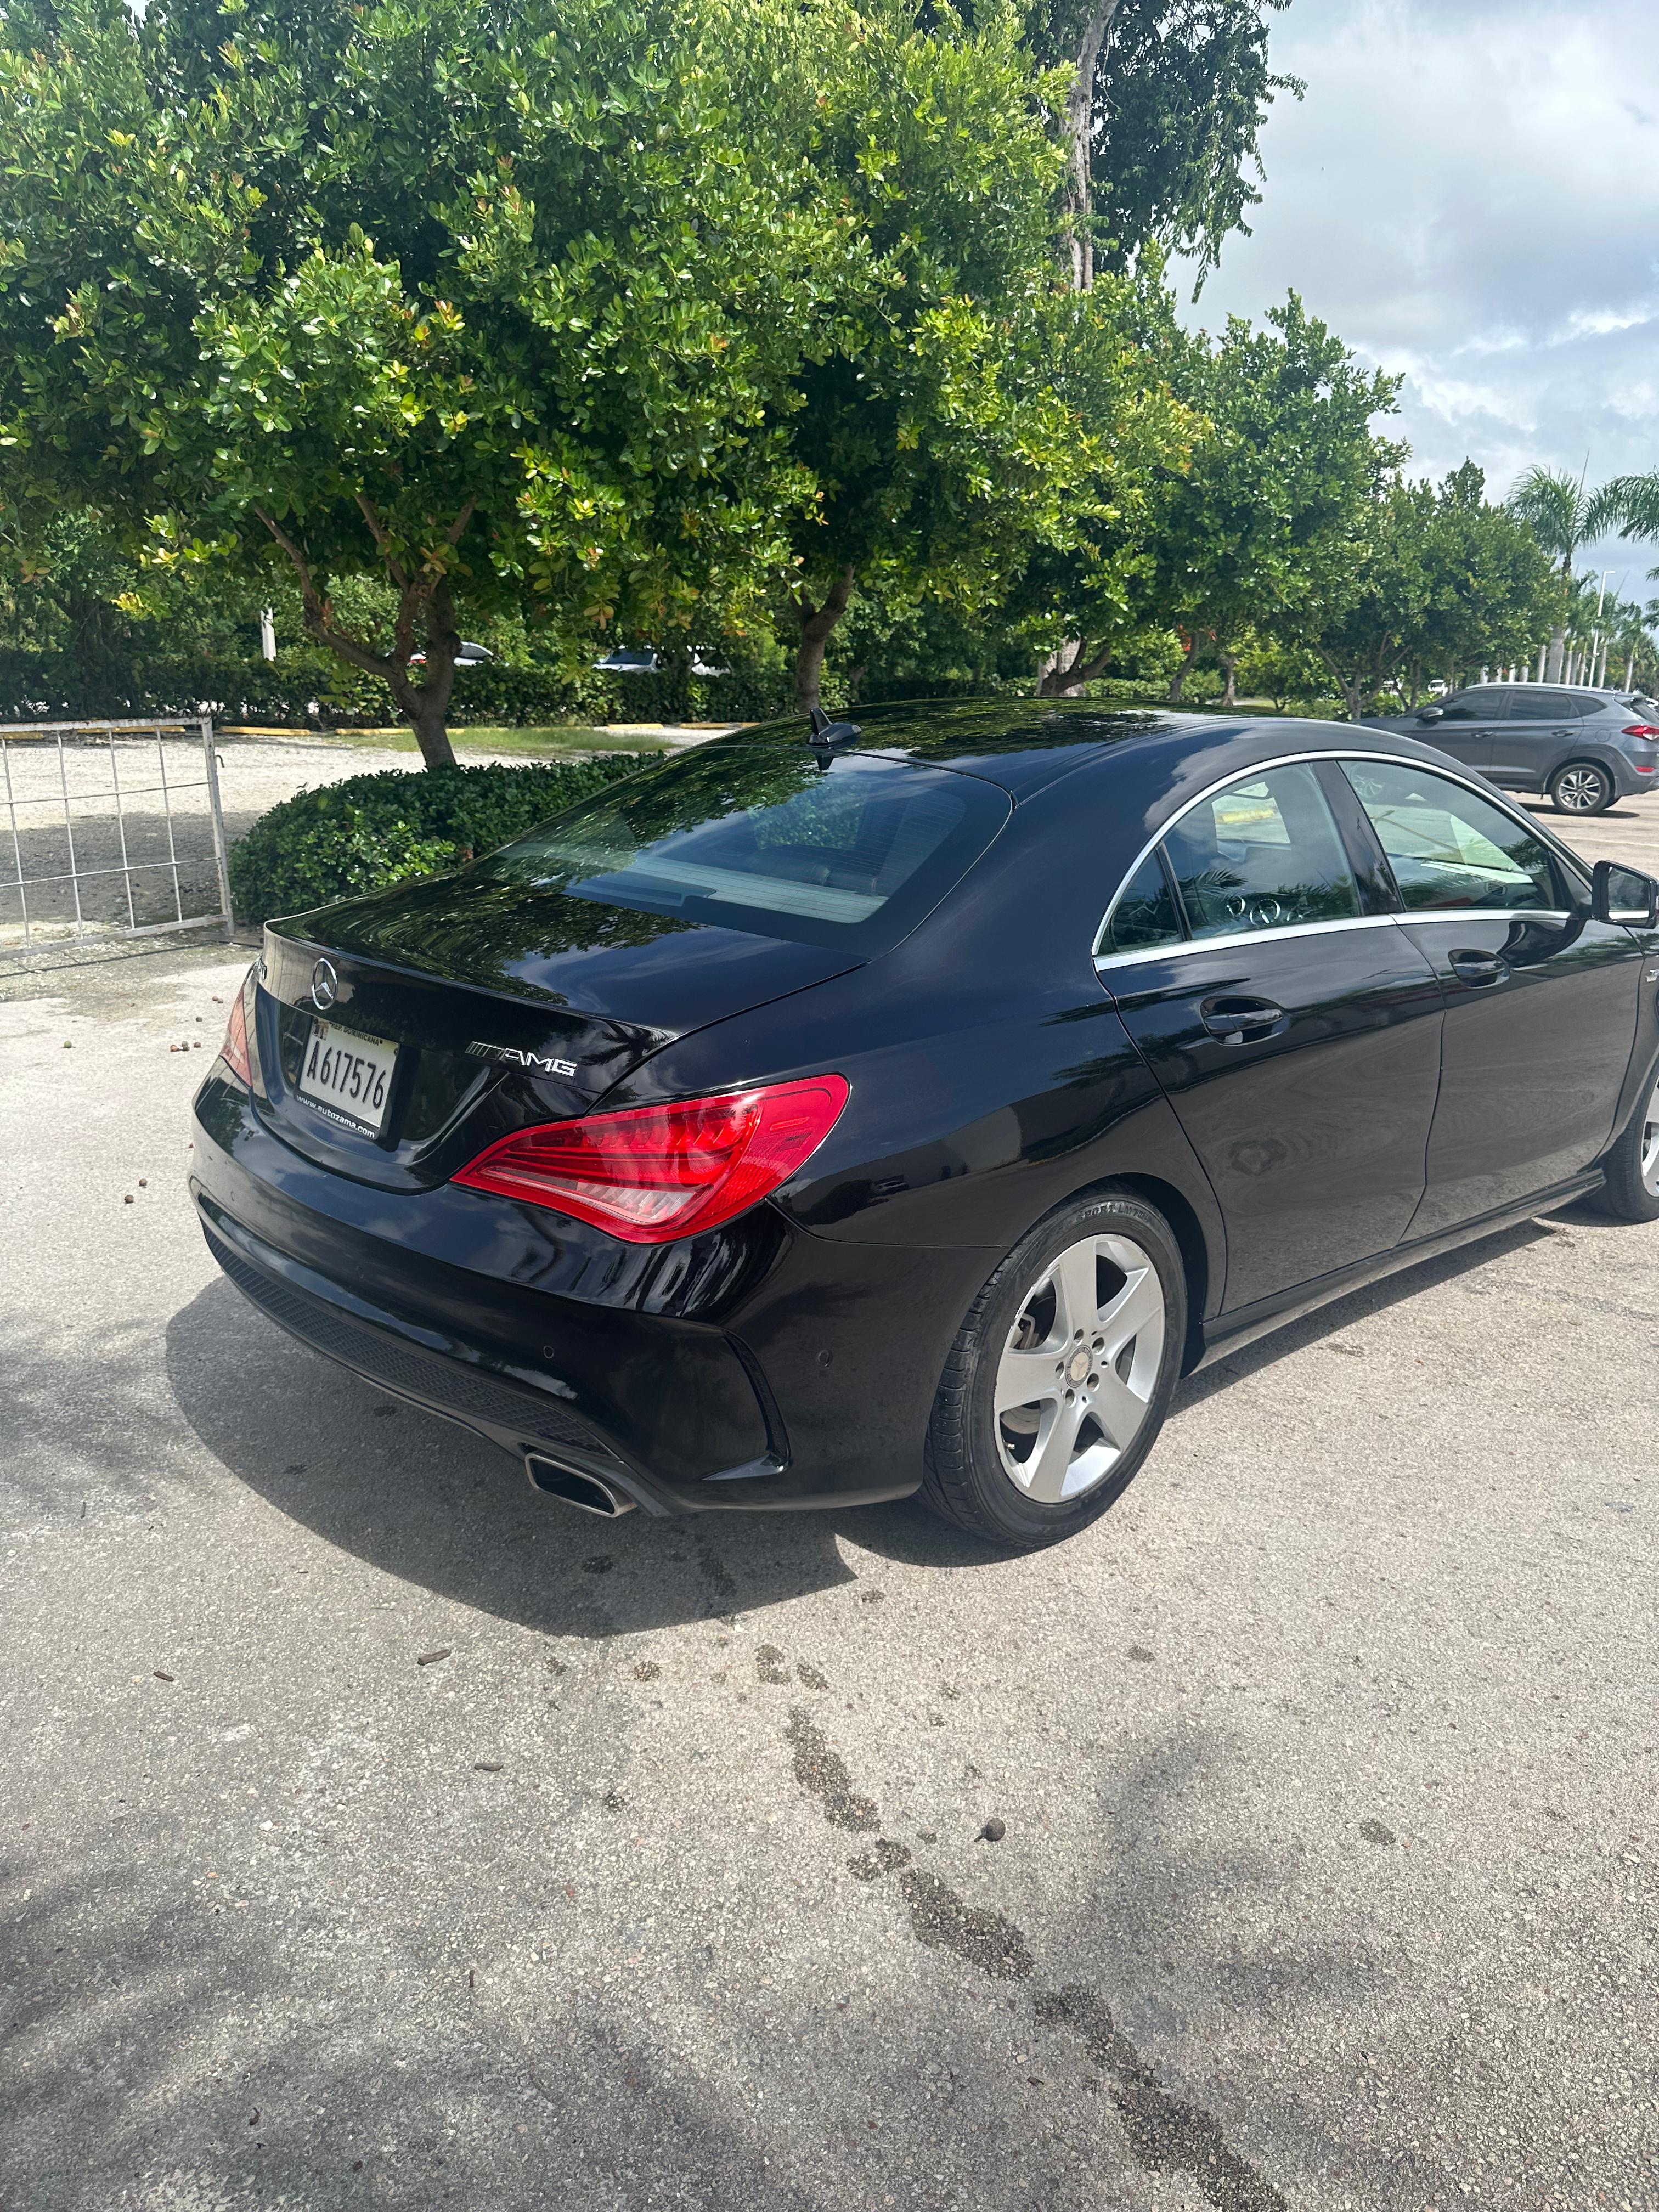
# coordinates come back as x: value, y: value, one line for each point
x: 850, y: 854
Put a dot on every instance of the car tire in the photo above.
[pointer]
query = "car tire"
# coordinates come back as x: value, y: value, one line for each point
x: 1581, y: 787
x: 1632, y: 1167
x: 1024, y: 1472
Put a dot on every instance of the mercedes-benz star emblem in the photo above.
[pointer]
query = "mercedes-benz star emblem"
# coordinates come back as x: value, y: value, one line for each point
x: 325, y: 986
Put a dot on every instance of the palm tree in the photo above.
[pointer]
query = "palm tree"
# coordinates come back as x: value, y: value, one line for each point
x: 1636, y: 501
x: 1563, y: 517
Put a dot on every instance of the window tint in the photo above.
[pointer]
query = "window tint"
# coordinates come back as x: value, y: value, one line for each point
x: 1448, y: 849
x: 1145, y: 911
x: 1489, y: 704
x: 1534, y: 704
x: 761, y: 838
x: 1261, y: 855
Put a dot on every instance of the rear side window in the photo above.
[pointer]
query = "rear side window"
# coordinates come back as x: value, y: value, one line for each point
x: 1534, y: 704
x: 850, y: 854
x: 1449, y: 848
x: 1261, y: 855
x: 1144, y: 915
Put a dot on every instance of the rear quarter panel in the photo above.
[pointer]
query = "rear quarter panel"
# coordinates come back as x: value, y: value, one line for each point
x: 991, y: 1077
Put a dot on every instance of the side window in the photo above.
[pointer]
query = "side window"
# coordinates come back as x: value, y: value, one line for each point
x: 1261, y: 855
x: 1532, y: 704
x: 1489, y: 704
x: 1144, y: 915
x: 1450, y: 849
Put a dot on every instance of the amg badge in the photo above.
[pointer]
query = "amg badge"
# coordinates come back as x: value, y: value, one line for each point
x: 536, y: 1062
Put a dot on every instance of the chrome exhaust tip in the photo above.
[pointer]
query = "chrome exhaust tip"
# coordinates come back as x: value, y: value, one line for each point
x: 584, y: 1490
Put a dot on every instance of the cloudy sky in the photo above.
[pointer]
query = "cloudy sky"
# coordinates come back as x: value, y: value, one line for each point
x: 1469, y: 193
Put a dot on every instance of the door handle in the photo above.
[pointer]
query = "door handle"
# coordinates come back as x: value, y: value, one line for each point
x: 1235, y: 1020
x: 1479, y: 970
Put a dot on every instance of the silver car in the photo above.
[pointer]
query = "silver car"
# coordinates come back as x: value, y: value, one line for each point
x: 1581, y: 749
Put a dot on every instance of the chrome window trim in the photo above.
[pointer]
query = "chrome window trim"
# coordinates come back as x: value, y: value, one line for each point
x: 1296, y: 760
x: 1178, y: 948
x: 1463, y: 913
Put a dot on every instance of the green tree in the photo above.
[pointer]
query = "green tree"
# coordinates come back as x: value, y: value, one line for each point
x: 923, y: 419
x: 1439, y: 581
x: 1260, y: 526
x: 1081, y: 595
x: 488, y: 304
x: 1562, y: 516
x: 1162, y: 122
x: 1490, y: 591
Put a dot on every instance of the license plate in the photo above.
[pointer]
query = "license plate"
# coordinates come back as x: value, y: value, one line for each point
x: 349, y: 1075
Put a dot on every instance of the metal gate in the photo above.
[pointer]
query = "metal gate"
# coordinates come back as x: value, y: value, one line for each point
x: 115, y: 830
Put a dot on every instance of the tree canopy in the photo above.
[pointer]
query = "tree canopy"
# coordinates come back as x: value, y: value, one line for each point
x: 478, y: 299
x: 1262, y: 525
x: 771, y: 328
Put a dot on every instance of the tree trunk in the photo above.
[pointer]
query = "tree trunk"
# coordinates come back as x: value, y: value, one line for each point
x: 816, y: 624
x: 421, y: 600
x: 1558, y: 647
x: 1178, y: 681
x: 677, y: 691
x: 426, y: 704
x: 1230, y: 690
x: 1079, y: 128
x: 1630, y: 670
x: 430, y: 719
x: 1065, y: 679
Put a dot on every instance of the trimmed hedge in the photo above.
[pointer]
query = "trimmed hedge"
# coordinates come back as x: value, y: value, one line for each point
x: 373, y: 831
x: 50, y: 687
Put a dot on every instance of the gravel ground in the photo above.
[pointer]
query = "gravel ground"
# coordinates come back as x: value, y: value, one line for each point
x: 377, y: 1831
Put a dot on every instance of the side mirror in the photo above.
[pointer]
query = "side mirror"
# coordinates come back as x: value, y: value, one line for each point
x: 1623, y: 895
x: 1431, y: 714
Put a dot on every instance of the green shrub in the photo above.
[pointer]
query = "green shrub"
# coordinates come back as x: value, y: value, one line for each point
x: 305, y: 684
x: 372, y: 830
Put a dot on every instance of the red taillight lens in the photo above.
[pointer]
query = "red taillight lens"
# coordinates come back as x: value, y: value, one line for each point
x: 650, y: 1173
x: 233, y: 1051
x: 1641, y: 730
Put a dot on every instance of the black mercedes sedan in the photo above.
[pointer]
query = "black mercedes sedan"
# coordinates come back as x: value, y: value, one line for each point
x: 830, y: 1115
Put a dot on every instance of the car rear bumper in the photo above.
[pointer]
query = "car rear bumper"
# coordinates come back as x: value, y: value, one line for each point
x: 779, y: 1379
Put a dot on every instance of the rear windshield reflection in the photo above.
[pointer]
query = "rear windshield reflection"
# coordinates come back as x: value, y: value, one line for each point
x: 849, y: 851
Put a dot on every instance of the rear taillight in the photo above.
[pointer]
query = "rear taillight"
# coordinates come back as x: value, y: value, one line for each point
x: 1649, y: 730
x: 650, y: 1173
x: 234, y: 1050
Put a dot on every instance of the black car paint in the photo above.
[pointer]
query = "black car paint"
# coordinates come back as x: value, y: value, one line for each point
x: 792, y: 1357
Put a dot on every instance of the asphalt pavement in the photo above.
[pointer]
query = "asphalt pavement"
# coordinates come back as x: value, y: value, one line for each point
x: 378, y: 1831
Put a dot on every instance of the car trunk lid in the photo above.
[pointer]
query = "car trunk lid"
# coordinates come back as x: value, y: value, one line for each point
x: 498, y: 1018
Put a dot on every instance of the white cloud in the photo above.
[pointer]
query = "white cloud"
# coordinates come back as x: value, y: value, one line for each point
x: 1470, y: 196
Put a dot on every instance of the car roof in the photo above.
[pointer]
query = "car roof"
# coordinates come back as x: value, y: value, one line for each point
x: 1025, y: 745
x: 1021, y: 744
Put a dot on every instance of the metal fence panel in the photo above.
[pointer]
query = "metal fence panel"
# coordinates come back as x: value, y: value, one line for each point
x: 114, y: 828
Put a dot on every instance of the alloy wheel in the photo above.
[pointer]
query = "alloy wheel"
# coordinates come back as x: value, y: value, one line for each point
x: 1651, y: 1144
x: 1581, y: 790
x: 1080, y: 1369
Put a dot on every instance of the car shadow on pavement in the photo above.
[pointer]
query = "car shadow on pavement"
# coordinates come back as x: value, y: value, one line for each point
x: 1375, y: 1297
x: 418, y: 1498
